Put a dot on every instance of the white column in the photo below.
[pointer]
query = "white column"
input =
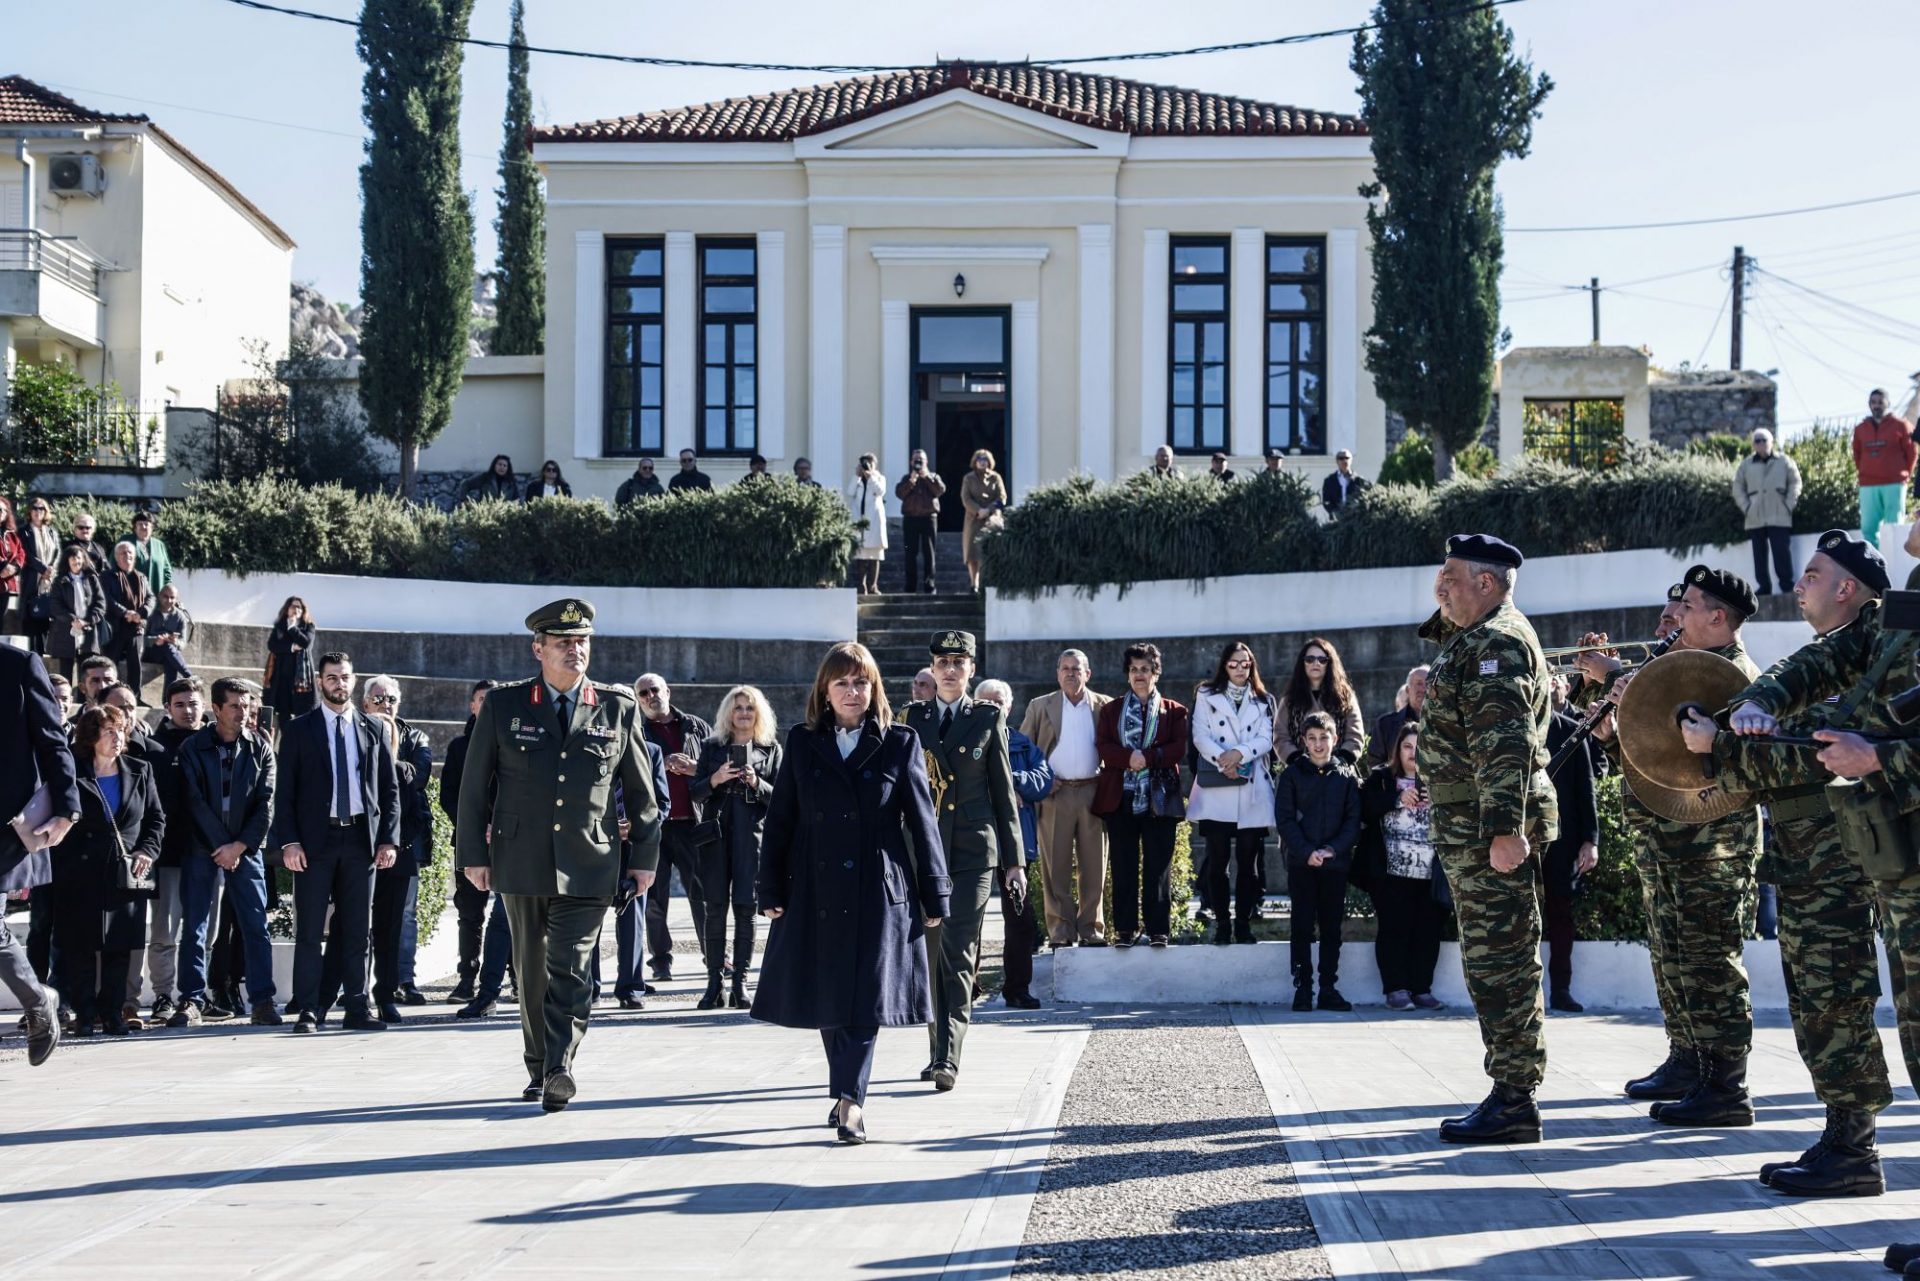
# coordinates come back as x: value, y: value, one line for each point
x: 1096, y: 352
x: 589, y: 343
x: 1246, y: 346
x: 827, y: 347
x: 1025, y: 361
x: 681, y: 355
x: 1343, y: 339
x: 1154, y: 266
x: 770, y: 351
x: 896, y: 386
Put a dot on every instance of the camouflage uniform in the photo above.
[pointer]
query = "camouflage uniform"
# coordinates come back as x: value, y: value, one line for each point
x: 1483, y: 754
x: 1831, y: 666
x: 1641, y: 821
x: 1706, y: 876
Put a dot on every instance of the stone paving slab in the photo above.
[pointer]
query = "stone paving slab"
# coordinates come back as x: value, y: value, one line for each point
x: 1609, y: 1194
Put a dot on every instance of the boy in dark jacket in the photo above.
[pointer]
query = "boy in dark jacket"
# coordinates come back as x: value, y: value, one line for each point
x: 1316, y: 803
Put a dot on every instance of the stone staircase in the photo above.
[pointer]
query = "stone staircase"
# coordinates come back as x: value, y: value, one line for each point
x: 897, y: 630
x: 949, y: 563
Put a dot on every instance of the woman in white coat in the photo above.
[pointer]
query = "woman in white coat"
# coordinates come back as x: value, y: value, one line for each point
x: 1232, y: 798
x: 867, y: 502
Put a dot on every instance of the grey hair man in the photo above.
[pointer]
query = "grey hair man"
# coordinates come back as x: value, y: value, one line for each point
x: 1766, y: 488
x: 1072, y: 838
x: 1387, y: 728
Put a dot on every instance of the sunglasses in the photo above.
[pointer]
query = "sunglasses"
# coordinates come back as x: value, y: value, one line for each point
x: 1316, y: 658
x: 383, y: 698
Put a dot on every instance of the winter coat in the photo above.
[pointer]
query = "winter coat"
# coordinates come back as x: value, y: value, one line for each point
x: 740, y: 811
x: 152, y: 559
x: 867, y: 500
x: 1352, y: 728
x: 1032, y: 781
x: 489, y: 485
x: 127, y: 592
x: 413, y: 767
x: 1164, y: 755
x: 289, y: 680
x: 33, y: 742
x: 635, y: 487
x: 852, y: 855
x: 88, y: 604
x: 537, y: 489
x: 1767, y: 490
x: 983, y: 496
x: 169, y: 780
x: 91, y: 912
x: 1579, y: 811
x: 1317, y: 807
x: 1218, y: 728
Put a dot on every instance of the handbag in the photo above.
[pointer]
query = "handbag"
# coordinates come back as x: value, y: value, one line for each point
x: 1209, y: 775
x: 129, y: 882
x: 707, y: 832
x: 1164, y: 798
x: 1437, y: 882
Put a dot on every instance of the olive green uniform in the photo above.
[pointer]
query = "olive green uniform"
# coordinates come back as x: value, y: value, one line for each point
x: 971, y: 775
x: 1483, y: 754
x: 545, y: 791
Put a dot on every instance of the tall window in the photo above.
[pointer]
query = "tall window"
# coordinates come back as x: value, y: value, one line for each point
x: 1197, y: 389
x: 633, y: 392
x: 1296, y: 345
x: 728, y: 295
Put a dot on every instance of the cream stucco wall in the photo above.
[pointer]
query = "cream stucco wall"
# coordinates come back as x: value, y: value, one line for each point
x: 1053, y: 220
x: 1571, y: 373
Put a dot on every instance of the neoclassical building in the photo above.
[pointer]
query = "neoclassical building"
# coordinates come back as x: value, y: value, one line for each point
x: 1068, y: 269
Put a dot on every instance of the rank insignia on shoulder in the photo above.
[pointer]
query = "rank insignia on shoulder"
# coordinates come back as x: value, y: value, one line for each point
x: 516, y: 723
x: 1489, y: 666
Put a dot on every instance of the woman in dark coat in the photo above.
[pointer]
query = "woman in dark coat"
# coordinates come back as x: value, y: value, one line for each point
x: 852, y: 873
x: 96, y: 924
x: 549, y: 484
x: 733, y: 802
x: 77, y: 598
x: 129, y: 604
x: 1141, y: 737
x: 290, y: 662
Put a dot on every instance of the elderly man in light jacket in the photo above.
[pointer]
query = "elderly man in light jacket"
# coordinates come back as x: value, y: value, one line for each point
x: 1767, y: 487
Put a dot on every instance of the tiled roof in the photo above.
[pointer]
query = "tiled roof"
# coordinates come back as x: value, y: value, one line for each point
x: 1099, y: 102
x: 22, y: 102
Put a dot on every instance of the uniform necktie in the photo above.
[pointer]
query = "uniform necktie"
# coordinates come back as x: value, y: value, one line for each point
x: 946, y: 723
x: 564, y: 706
x: 343, y: 807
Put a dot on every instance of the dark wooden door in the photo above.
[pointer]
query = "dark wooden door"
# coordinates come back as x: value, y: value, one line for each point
x: 960, y: 430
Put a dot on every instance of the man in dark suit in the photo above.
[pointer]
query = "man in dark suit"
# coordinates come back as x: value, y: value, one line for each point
x: 337, y: 820
x: 680, y: 736
x: 970, y: 772
x: 1341, y: 487
x: 34, y: 753
x: 1387, y: 728
x: 539, y: 824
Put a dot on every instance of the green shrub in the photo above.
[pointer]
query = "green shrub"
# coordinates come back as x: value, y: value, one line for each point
x: 1722, y: 445
x: 1829, y: 485
x: 436, y: 878
x: 1610, y: 906
x: 1411, y: 462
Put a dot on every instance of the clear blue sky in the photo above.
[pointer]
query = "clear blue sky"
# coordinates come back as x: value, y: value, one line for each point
x: 1663, y: 110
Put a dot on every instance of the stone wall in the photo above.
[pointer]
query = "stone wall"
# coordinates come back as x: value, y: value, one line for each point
x: 442, y: 488
x: 1693, y: 403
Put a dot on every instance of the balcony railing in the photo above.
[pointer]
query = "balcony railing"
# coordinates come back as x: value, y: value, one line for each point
x: 64, y: 258
x: 114, y: 436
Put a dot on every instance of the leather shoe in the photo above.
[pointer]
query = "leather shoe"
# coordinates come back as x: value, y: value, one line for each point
x: 1718, y: 1099
x: 478, y: 1008
x: 945, y: 1076
x: 1565, y: 1004
x: 1507, y: 1115
x: 264, y: 1015
x: 306, y: 1023
x: 1846, y: 1162
x: 558, y: 1091
x: 632, y: 1003
x: 1672, y: 1079
x: 43, y: 1030
x: 411, y: 995
x: 926, y: 1073
x: 390, y: 1012
x: 462, y: 991
x: 852, y: 1131
x: 534, y: 1092
x: 1020, y: 1000
x: 361, y: 1021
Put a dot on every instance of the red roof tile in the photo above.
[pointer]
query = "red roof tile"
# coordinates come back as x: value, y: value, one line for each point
x: 1099, y: 102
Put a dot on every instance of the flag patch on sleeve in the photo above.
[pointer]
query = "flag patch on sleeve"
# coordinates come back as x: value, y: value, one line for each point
x: 1489, y: 666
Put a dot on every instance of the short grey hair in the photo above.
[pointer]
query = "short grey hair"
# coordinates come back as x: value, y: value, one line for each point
x: 1421, y: 670
x: 1080, y: 654
x: 379, y: 683
x: 127, y: 547
x: 1761, y: 433
x: 1505, y: 575
x: 994, y: 687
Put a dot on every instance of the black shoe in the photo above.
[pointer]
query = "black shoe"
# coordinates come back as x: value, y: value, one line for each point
x: 188, y: 1015
x: 1243, y: 932
x: 264, y: 1015
x: 853, y: 1133
x: 214, y: 1009
x: 1093, y: 942
x: 1672, y: 1079
x: 163, y: 1009
x: 558, y: 1091
x: 1303, y: 998
x: 737, y: 997
x: 82, y: 1028
x: 926, y: 1073
x: 43, y: 1030
x: 462, y: 991
x: 1123, y: 940
x: 1508, y: 1115
x: 1564, y: 1002
x: 1330, y: 999
x: 1158, y: 940
x: 534, y: 1092
x: 115, y: 1025
x: 1899, y: 1256
x: 663, y: 973
x: 711, y: 999
x: 1020, y: 1000
x: 945, y: 1076
x: 66, y: 1017
x: 361, y: 1021
x: 1223, y: 933
x: 1771, y: 1168
x: 306, y: 1023
x: 648, y: 989
x: 411, y: 995
x: 391, y: 1012
x: 1848, y: 1163
x: 479, y: 1007
x: 1718, y: 1100
x: 632, y: 1003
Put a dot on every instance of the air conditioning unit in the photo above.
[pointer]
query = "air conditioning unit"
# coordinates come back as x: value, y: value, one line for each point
x: 77, y: 174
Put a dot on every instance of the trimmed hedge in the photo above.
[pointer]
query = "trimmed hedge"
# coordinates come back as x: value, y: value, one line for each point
x: 773, y: 534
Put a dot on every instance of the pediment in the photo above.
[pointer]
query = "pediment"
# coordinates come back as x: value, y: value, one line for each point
x: 960, y: 126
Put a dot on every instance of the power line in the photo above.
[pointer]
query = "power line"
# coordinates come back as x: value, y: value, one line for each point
x: 1691, y: 222
x: 1845, y: 306
x: 1718, y: 316
x: 856, y: 68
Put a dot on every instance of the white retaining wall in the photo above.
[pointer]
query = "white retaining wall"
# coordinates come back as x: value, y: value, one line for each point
x: 344, y: 603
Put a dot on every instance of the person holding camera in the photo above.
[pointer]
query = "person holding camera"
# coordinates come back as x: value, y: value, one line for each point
x: 732, y: 784
x: 919, y: 493
x: 1395, y: 866
x: 867, y: 502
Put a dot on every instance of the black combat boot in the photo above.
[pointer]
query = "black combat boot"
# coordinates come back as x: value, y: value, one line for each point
x: 1302, y: 988
x: 1509, y: 1115
x: 1848, y: 1165
x: 1720, y: 1099
x: 1771, y: 1168
x: 1672, y: 1079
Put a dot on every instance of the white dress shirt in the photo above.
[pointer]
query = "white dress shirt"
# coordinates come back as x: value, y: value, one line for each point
x: 1074, y: 756
x: 351, y: 730
x: 847, y: 739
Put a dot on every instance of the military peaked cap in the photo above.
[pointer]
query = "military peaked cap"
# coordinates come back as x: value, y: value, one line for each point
x: 1857, y: 556
x: 1726, y: 587
x: 1484, y: 548
x: 951, y: 642
x: 569, y: 616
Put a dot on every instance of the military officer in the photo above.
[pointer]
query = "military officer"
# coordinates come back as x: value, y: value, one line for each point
x: 1826, y: 900
x: 971, y: 775
x: 1483, y: 753
x: 538, y: 824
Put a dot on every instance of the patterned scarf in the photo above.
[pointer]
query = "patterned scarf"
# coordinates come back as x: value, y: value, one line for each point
x: 1139, y: 722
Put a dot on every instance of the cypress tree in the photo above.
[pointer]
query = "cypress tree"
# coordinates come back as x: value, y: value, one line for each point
x: 416, y: 222
x: 1445, y: 99
x: 522, y: 222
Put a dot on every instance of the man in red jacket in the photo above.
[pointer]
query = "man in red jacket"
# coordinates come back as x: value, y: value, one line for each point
x: 1883, y: 455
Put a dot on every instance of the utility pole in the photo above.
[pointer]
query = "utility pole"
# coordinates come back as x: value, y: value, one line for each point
x: 1593, y: 289
x: 1739, y: 301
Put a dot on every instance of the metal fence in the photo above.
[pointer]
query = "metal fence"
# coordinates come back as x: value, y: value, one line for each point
x: 62, y: 257
x: 114, y: 435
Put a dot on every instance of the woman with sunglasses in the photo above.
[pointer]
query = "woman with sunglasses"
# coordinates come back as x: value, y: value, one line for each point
x: 41, y: 543
x: 551, y: 483
x: 1319, y: 684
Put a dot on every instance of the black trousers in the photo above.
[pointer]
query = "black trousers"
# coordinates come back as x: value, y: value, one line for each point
x: 1319, y: 906
x: 849, y: 1060
x: 727, y: 869
x: 389, y: 919
x: 470, y: 904
x: 340, y: 873
x: 41, y: 954
x: 1139, y: 858
x: 1777, y: 538
x: 1408, y: 942
x: 94, y: 983
x: 1242, y: 845
x: 1557, y: 911
x: 918, y: 532
x: 678, y: 853
x: 126, y: 650
x: 1022, y: 935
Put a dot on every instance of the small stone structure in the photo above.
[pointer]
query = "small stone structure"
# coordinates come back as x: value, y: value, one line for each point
x: 1684, y: 405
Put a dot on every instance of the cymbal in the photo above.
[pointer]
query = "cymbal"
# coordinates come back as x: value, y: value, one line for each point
x: 1701, y: 805
x: 1650, y: 736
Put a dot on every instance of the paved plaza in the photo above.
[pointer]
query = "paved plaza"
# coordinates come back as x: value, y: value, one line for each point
x: 1188, y: 1141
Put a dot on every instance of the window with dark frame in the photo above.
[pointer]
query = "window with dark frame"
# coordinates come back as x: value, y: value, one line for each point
x: 1589, y: 434
x: 1296, y: 306
x: 729, y: 299
x: 635, y: 395
x: 1197, y: 347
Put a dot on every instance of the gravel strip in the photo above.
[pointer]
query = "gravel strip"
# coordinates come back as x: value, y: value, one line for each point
x: 1168, y: 1163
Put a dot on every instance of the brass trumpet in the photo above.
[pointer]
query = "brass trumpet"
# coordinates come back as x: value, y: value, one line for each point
x: 1563, y: 658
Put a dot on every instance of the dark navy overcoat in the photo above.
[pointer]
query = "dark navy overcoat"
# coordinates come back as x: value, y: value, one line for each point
x: 852, y: 853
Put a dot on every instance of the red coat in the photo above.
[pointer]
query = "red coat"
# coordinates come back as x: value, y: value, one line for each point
x: 1883, y: 452
x: 1167, y: 751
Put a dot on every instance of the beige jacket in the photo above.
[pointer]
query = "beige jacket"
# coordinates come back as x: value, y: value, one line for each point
x: 1767, y: 489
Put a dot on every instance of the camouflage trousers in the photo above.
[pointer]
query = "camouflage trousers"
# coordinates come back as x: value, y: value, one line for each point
x: 1701, y: 944
x: 1654, y: 901
x: 1500, y: 950
x: 1832, y: 969
x: 1900, y: 922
